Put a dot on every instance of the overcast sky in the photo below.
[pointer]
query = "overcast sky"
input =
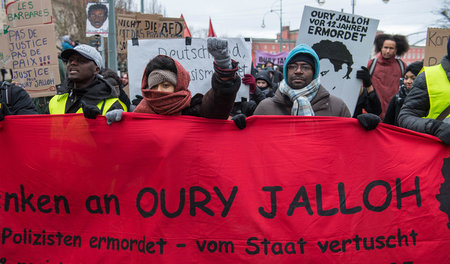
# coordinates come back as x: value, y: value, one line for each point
x: 243, y: 18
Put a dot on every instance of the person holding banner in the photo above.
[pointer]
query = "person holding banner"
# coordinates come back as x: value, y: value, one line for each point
x: 427, y: 107
x: 165, y: 86
x: 14, y: 100
x: 84, y: 91
x: 300, y: 93
x: 396, y: 103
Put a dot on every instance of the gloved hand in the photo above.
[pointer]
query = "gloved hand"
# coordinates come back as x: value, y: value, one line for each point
x: 113, y: 116
x: 239, y: 121
x: 369, y: 121
x: 137, y: 100
x: 443, y: 133
x: 364, y: 75
x: 218, y: 48
x: 90, y: 111
x: 250, y: 81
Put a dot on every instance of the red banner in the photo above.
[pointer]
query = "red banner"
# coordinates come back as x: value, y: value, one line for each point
x: 155, y: 189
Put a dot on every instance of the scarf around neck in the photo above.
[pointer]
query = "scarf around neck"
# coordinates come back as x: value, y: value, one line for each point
x: 163, y: 103
x: 301, y: 98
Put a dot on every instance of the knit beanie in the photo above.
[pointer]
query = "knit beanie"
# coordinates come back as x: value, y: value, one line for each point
x: 305, y: 57
x: 159, y: 76
x: 414, y: 67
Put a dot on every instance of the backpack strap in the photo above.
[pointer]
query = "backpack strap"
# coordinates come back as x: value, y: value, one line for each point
x: 402, y: 66
x: 444, y: 114
x: 372, y: 66
x: 6, y: 93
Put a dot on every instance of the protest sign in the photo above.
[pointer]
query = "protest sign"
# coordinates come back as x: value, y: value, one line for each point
x: 194, y: 58
x: 436, y: 47
x: 31, y: 45
x: 183, y: 189
x: 343, y: 43
x: 26, y: 13
x: 146, y: 26
x: 277, y: 59
x: 5, y: 56
x: 97, y: 19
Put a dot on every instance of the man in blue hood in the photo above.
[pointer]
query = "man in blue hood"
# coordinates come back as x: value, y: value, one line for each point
x: 300, y: 93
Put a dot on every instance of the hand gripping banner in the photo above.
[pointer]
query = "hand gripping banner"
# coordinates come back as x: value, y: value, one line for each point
x: 155, y: 189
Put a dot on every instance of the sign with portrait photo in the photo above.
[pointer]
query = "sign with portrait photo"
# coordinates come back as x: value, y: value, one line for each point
x: 343, y: 43
x: 97, y: 19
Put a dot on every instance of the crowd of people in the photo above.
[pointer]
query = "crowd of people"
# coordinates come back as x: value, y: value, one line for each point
x: 410, y: 96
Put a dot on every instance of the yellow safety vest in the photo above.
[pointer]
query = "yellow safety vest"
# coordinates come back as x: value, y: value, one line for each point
x: 57, y: 104
x: 438, y: 87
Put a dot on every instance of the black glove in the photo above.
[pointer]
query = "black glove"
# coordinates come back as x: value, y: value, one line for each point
x: 239, y: 121
x: 137, y: 100
x: 369, y: 121
x: 443, y: 133
x: 247, y: 108
x: 90, y: 111
x: 364, y: 75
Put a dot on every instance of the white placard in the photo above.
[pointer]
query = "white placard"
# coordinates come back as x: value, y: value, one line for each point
x: 343, y: 43
x: 194, y: 58
x: 97, y: 22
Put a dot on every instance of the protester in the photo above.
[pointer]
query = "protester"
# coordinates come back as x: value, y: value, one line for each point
x: 66, y: 43
x: 273, y: 77
x: 406, y: 83
x: 113, y: 78
x: 84, y: 91
x: 301, y: 93
x: 385, y: 69
x: 260, y: 87
x: 165, y: 87
x: 427, y: 106
x: 14, y: 100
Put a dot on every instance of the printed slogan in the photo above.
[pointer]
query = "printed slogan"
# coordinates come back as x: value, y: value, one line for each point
x: 31, y: 45
x: 174, y: 189
x: 343, y: 43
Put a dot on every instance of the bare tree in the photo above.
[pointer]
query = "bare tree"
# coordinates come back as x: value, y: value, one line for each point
x: 70, y: 19
x: 199, y: 33
x: 444, y: 11
x: 155, y: 8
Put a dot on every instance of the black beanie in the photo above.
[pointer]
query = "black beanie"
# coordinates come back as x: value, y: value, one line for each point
x: 305, y: 57
x: 414, y: 67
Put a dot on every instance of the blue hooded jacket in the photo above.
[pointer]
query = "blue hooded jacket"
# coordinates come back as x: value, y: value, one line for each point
x: 302, y: 48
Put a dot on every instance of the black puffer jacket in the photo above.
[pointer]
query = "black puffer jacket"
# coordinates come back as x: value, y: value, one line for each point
x: 417, y: 105
x: 15, y: 100
x: 93, y: 94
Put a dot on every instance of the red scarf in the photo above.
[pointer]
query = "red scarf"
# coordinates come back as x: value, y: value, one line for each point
x: 163, y: 103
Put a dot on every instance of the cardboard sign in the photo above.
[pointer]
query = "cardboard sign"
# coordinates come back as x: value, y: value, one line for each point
x: 157, y: 189
x: 97, y: 22
x: 436, y: 46
x: 31, y: 45
x: 30, y: 12
x: 33, y: 59
x: 194, y: 58
x: 5, y: 56
x: 343, y: 43
x: 146, y: 26
x: 277, y: 59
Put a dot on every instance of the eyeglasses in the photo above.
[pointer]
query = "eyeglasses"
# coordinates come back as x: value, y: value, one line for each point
x: 303, y: 67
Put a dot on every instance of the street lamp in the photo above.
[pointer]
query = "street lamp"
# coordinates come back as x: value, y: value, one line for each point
x: 280, y: 14
x: 321, y: 2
